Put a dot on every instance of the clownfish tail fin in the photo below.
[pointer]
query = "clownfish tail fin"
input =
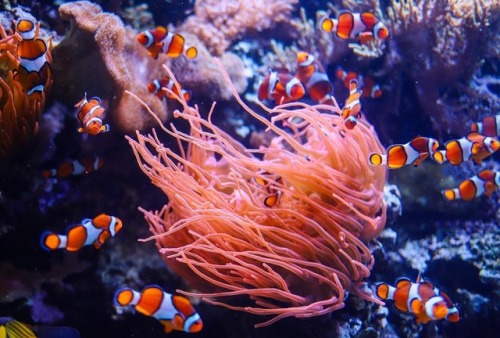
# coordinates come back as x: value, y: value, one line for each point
x: 124, y: 297
x: 377, y: 159
x: 50, y: 241
x: 383, y: 291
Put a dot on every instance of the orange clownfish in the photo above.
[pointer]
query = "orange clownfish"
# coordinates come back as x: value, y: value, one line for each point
x: 489, y: 126
x: 317, y: 83
x: 77, y: 167
x: 421, y: 299
x: 368, y: 86
x: 351, y: 112
x: 174, y: 312
x: 34, y: 65
x: 485, y: 182
x: 89, y: 232
x: 361, y: 26
x: 413, y: 152
x: 91, y: 113
x: 156, y: 87
x: 158, y: 41
x: 263, y: 179
x: 473, y: 146
x: 280, y: 86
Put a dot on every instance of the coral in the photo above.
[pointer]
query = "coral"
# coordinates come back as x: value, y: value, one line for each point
x: 296, y: 258
x: 220, y: 23
x: 100, y: 56
x: 19, y: 112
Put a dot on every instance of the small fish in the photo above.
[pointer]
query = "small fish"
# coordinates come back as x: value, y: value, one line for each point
x: 77, y: 167
x: 421, y: 299
x: 413, y: 152
x: 156, y: 87
x: 264, y: 179
x: 158, y: 41
x: 280, y: 86
x: 367, y: 85
x: 11, y: 328
x: 34, y: 65
x: 489, y: 126
x: 174, y: 312
x: 485, y: 182
x: 360, y: 26
x: 473, y: 147
x: 89, y: 232
x: 91, y: 113
x: 316, y: 81
x: 351, y: 112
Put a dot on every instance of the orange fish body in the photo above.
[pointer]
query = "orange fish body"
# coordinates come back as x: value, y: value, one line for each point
x: 474, y: 147
x: 280, y: 86
x: 312, y: 75
x: 94, y: 232
x: 91, y: 115
x: 158, y: 41
x: 351, y: 112
x: 34, y: 65
x: 485, y: 182
x: 157, y: 87
x: 413, y: 152
x: 269, y: 183
x: 489, y: 126
x: 77, y: 167
x: 174, y: 312
x: 421, y: 299
x: 367, y: 85
x: 361, y: 26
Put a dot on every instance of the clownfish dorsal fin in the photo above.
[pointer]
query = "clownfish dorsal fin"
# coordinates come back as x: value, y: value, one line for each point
x: 402, y: 282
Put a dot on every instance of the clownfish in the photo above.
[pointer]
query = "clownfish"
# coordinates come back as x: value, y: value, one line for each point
x: 489, y: 126
x: 77, y: 167
x: 158, y: 41
x: 274, y: 193
x: 367, y: 85
x: 312, y: 75
x: 156, y: 87
x: 34, y: 65
x: 174, y: 312
x: 280, y: 86
x: 91, y: 113
x: 413, y: 152
x: 361, y: 26
x: 473, y: 146
x: 485, y: 182
x: 351, y: 112
x: 421, y: 299
x: 94, y: 232
x: 12, y: 328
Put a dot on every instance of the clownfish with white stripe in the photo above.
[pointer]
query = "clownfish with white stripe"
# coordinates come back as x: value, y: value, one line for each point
x: 34, y: 65
x: 473, y: 147
x: 81, y: 166
x: 91, y: 115
x: 421, y: 299
x: 94, y: 232
x: 489, y: 126
x: 351, y: 112
x: 157, y: 87
x: 364, y: 27
x: 174, y: 312
x: 413, y: 152
x: 269, y: 183
x: 159, y: 40
x: 367, y: 85
x: 313, y: 76
x: 280, y: 86
x: 485, y: 182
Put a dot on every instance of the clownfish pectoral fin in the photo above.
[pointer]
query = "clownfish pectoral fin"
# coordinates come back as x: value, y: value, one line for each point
x: 416, y: 306
x: 365, y: 37
x: 476, y: 148
x: 489, y: 188
x: 421, y: 157
x: 104, y: 128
